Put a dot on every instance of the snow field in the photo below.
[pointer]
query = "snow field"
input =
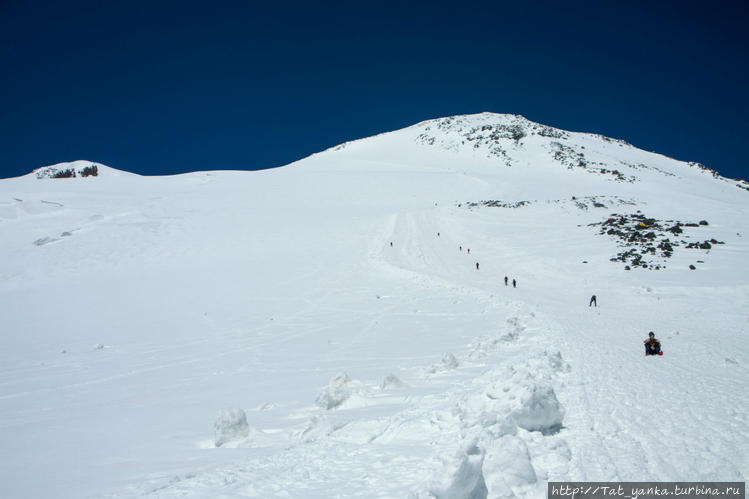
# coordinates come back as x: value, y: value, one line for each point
x: 448, y: 406
x: 255, y: 334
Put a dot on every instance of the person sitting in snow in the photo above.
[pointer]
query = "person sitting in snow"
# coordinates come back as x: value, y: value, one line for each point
x: 652, y: 346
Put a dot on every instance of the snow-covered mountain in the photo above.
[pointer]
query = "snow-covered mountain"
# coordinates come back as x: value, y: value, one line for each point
x: 322, y: 330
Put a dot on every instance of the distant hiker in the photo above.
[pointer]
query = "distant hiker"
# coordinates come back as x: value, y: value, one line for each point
x: 438, y: 234
x: 477, y: 265
x: 391, y: 244
x: 593, y: 301
x: 514, y: 283
x: 652, y: 346
x: 505, y: 280
x: 460, y: 248
x: 469, y: 251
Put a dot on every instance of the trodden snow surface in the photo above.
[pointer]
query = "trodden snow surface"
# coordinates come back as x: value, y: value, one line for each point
x: 256, y: 334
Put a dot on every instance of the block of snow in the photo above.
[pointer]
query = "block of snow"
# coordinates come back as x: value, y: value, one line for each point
x: 463, y: 478
x: 508, y: 461
x: 483, y: 346
x: 539, y: 410
x: 231, y: 424
x: 335, y: 393
x: 448, y: 363
x: 391, y: 381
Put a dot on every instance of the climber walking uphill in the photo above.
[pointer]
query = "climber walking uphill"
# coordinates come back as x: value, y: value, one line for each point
x: 593, y: 301
x: 652, y: 345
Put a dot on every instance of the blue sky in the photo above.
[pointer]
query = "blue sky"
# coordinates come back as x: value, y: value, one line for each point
x: 169, y: 87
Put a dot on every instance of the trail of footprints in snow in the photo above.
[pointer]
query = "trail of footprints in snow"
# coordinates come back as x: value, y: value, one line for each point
x: 496, y: 433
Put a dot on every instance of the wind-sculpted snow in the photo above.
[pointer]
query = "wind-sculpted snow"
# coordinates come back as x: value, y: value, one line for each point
x: 483, y: 445
x: 373, y: 326
x: 465, y: 482
x: 448, y: 363
x: 391, y: 382
x: 336, y: 393
x: 231, y: 424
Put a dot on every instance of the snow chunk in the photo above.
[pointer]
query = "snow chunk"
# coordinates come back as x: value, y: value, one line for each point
x: 556, y: 361
x: 335, y: 393
x: 508, y: 464
x: 230, y: 425
x: 517, y: 396
x: 467, y: 479
x: 319, y: 427
x: 391, y: 381
x: 540, y: 410
x: 483, y: 346
x: 448, y: 363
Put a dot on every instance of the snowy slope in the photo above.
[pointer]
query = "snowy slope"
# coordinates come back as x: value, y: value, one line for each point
x: 137, y: 309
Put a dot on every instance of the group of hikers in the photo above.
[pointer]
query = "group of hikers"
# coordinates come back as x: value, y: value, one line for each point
x: 468, y: 250
x: 652, y: 345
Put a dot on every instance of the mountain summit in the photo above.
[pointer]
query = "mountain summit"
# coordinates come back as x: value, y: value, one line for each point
x: 514, y: 141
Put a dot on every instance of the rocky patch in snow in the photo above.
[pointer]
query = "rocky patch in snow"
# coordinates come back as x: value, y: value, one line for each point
x: 572, y: 157
x: 44, y: 240
x: 498, y: 204
x: 582, y: 203
x: 499, y: 135
x: 493, y: 134
x: 648, y: 242
x: 586, y: 202
x: 72, y: 171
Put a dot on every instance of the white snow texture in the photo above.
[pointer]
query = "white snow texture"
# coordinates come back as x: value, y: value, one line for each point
x: 360, y: 353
